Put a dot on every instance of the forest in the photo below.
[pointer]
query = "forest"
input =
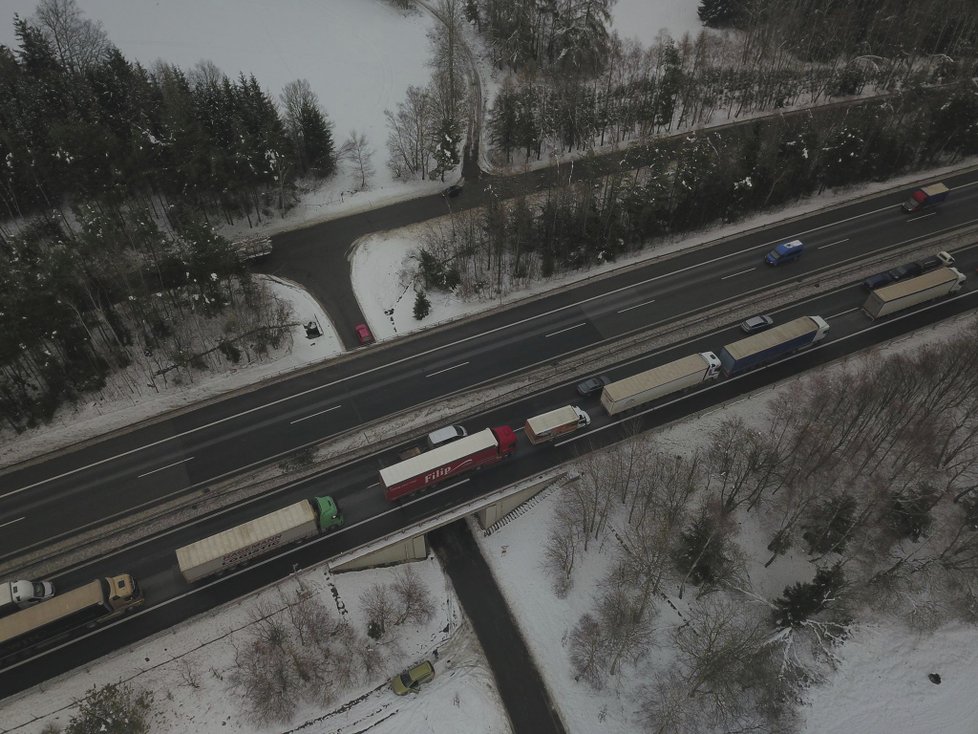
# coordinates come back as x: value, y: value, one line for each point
x: 865, y: 471
x: 118, y: 178
x: 115, y: 180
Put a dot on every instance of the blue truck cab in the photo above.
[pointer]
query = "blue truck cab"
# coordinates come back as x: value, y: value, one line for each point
x: 786, y: 252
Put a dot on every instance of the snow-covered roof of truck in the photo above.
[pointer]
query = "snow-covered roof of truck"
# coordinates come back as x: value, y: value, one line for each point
x: 771, y: 337
x: 661, y: 375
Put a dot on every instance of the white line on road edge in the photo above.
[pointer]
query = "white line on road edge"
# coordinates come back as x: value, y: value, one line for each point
x: 832, y: 244
x: 617, y: 422
x: 299, y: 420
x: 463, y: 340
x: 460, y: 364
x: 734, y: 275
x: 575, y: 326
x: 637, y: 306
x: 168, y: 466
x: 11, y: 522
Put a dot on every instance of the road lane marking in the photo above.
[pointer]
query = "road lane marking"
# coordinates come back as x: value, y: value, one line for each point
x: 11, y: 522
x: 922, y: 216
x: 488, y: 332
x: 734, y: 275
x: 636, y: 306
x: 453, y: 367
x: 168, y: 466
x: 832, y: 244
x: 843, y: 313
x: 299, y: 420
x: 725, y: 380
x: 569, y: 328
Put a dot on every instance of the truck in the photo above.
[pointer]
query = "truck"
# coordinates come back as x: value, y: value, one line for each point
x: 22, y: 594
x: 631, y: 392
x: 43, y: 624
x: 486, y: 447
x: 770, y: 345
x: 925, y: 197
x: 239, y: 545
x: 555, y: 423
x: 892, y: 298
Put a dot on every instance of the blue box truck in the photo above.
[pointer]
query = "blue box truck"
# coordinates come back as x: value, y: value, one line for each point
x: 772, y: 344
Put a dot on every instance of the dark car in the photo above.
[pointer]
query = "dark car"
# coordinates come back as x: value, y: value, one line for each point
x: 941, y: 259
x: 756, y: 323
x: 902, y: 272
x: 592, y: 385
x: 452, y: 191
x: 411, y: 680
x: 877, y: 281
x: 363, y: 334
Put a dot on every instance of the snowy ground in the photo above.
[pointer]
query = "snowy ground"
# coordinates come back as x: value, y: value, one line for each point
x: 462, y: 697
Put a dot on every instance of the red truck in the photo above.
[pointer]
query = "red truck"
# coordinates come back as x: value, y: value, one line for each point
x: 925, y: 197
x: 431, y: 467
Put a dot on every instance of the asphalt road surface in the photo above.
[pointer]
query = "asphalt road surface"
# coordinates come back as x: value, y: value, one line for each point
x: 520, y: 685
x: 60, y: 495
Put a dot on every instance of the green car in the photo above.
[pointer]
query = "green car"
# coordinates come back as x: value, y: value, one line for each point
x: 411, y: 680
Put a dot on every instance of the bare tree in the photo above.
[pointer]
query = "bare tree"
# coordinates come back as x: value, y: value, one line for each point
x: 587, y: 650
x: 204, y: 75
x: 79, y: 43
x: 409, y: 139
x: 561, y: 549
x: 379, y: 607
x: 724, y: 660
x: 356, y: 150
x: 413, y: 597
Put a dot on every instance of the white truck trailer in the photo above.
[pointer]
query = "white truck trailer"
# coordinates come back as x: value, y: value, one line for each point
x: 927, y: 287
x: 21, y: 594
x: 549, y: 426
x: 658, y: 382
x: 235, y: 547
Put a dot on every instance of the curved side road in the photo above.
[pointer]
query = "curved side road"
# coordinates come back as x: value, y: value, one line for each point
x: 520, y: 685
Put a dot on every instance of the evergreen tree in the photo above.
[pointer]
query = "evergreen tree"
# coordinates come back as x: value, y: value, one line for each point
x: 422, y: 306
x: 447, y: 139
x: 803, y: 601
x: 113, y: 709
x: 721, y: 13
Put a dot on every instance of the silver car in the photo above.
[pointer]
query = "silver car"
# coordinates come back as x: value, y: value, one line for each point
x: 756, y: 323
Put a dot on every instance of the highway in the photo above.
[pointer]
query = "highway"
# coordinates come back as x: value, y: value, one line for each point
x: 368, y: 515
x: 60, y: 495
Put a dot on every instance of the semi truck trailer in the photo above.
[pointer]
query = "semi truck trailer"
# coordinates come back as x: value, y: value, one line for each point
x: 431, y: 467
x: 637, y: 390
x: 927, y: 287
x: 87, y: 606
x: 555, y: 423
x: 772, y: 344
x: 239, y: 545
x: 22, y: 594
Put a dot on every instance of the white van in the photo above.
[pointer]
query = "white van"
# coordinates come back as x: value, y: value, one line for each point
x: 445, y: 435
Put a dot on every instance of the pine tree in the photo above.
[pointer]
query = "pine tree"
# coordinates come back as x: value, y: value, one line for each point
x: 803, y: 601
x: 112, y: 709
x: 721, y: 13
x: 422, y: 306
